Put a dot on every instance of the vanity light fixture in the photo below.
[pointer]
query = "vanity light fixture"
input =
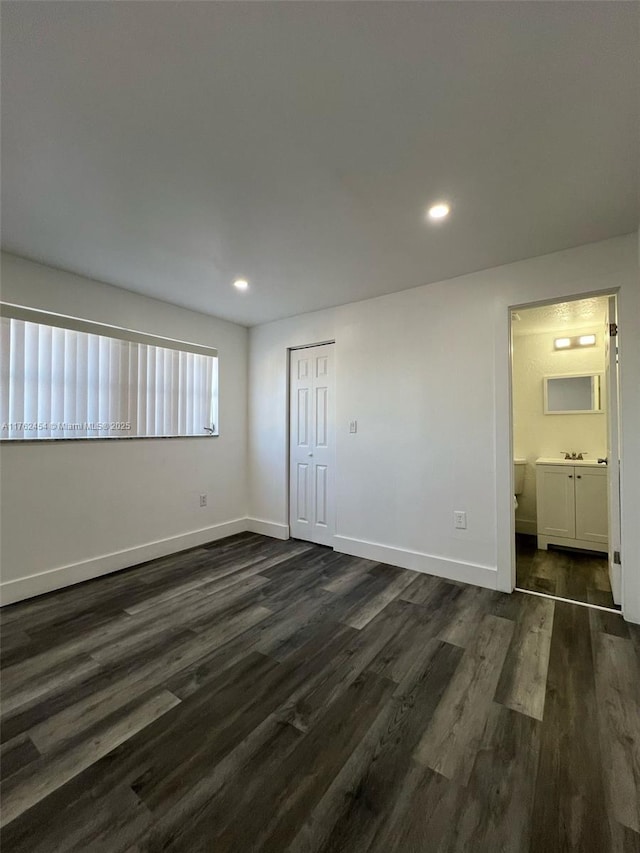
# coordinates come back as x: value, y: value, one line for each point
x: 241, y: 284
x: 562, y: 343
x: 575, y: 342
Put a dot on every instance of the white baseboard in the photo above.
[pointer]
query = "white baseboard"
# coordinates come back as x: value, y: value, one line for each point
x: 27, y: 587
x: 52, y: 579
x: 427, y: 563
x: 268, y: 528
x: 526, y: 525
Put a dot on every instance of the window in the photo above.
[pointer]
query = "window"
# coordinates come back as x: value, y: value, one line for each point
x: 68, y: 378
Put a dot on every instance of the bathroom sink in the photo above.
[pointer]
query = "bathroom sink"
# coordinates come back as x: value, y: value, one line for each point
x: 560, y: 460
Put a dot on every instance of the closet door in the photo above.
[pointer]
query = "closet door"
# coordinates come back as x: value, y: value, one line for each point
x: 312, y: 444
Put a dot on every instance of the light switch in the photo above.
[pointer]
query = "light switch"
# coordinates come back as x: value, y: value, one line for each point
x: 353, y: 426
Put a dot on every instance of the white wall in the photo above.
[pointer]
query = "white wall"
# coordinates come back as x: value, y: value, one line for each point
x: 536, y: 434
x: 426, y: 374
x: 75, y: 509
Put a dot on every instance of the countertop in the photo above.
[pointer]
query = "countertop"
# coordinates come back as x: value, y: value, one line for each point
x: 585, y: 463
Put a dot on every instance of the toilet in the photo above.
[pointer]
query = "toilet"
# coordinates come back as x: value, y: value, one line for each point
x: 519, y: 466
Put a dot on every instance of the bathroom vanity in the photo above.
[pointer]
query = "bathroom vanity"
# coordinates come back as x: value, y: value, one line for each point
x: 572, y: 499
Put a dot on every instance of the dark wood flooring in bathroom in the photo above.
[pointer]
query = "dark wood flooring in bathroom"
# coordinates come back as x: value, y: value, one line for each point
x: 577, y: 575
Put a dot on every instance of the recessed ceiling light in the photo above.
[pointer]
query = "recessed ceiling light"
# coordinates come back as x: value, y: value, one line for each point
x: 439, y: 211
x: 241, y: 283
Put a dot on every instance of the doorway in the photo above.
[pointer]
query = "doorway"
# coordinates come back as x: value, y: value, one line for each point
x: 564, y: 421
x: 312, y: 444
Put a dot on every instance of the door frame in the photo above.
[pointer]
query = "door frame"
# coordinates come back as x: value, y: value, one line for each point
x: 507, y: 577
x: 288, y: 429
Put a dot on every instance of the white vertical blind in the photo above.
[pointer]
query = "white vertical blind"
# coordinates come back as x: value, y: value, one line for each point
x: 64, y: 383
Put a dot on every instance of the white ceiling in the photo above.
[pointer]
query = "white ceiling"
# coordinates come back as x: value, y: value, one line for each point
x: 171, y: 147
x: 588, y: 314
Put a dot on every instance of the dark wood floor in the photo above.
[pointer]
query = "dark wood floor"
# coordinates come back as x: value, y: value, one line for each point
x: 578, y: 575
x: 257, y: 695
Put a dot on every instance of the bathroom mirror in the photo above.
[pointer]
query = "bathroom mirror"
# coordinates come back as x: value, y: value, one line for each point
x: 577, y: 394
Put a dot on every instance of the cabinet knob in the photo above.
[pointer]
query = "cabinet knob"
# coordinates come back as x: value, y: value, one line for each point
x: 578, y: 476
x: 571, y: 476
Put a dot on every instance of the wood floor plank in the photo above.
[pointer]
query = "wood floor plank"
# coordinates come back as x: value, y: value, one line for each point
x: 634, y: 634
x: 309, y: 704
x: 95, y: 686
x: 495, y: 810
x: 120, y: 819
x: 363, y: 612
x: 406, y: 651
x: 29, y: 692
x: 363, y: 794
x: 262, y: 749
x: 608, y: 623
x: 218, y: 580
x: 492, y: 812
x: 425, y: 589
x: 471, y: 606
x: 278, y: 811
x: 523, y: 681
x: 227, y: 712
x: 349, y: 577
x: 16, y: 754
x: 264, y: 695
x: 24, y: 789
x: 293, y: 627
x: 450, y: 744
x: 137, y: 680
x: 617, y: 676
x: 578, y: 576
x: 106, y: 830
x: 266, y: 636
x: 569, y: 807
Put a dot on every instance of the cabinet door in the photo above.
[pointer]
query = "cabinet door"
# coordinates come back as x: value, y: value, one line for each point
x: 556, y: 500
x: 591, y: 504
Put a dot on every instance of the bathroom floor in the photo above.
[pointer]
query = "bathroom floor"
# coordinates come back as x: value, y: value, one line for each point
x: 578, y: 575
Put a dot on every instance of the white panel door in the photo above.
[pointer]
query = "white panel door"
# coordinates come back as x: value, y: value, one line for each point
x: 312, y: 438
x: 613, y: 450
x: 591, y: 504
x: 556, y: 501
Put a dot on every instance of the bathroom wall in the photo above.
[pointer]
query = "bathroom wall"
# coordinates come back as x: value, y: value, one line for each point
x: 536, y: 434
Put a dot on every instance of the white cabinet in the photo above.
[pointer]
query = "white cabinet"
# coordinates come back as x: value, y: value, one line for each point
x: 591, y: 505
x: 572, y: 505
x: 555, y: 492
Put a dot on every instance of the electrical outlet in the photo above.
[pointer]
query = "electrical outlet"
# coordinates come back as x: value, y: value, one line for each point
x: 353, y: 426
x: 203, y: 500
x: 460, y: 519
